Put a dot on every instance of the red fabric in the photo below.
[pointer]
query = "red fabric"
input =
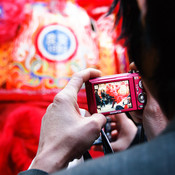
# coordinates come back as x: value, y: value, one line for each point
x: 11, y: 16
x: 20, y: 121
x: 19, y: 132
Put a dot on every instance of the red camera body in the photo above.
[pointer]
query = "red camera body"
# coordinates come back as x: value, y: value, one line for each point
x: 115, y: 94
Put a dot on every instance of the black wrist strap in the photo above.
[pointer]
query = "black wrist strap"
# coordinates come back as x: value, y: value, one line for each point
x: 106, y: 147
x: 106, y: 144
x: 87, y: 156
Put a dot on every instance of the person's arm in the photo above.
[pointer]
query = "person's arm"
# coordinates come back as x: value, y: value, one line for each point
x: 65, y: 134
x: 153, y: 119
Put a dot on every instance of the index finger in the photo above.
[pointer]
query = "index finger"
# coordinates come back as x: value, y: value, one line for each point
x: 117, y: 117
x: 79, y: 78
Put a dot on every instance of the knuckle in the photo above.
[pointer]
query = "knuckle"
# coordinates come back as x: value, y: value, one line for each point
x: 78, y: 75
x: 60, y: 98
x: 95, y: 127
x: 94, y: 123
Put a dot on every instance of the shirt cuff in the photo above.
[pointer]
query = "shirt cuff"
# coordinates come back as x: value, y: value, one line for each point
x: 33, y: 172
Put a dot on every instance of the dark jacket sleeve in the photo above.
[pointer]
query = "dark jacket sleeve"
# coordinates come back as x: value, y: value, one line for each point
x: 139, y: 137
x: 33, y: 172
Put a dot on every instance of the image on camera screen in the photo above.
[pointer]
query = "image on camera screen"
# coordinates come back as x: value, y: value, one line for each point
x: 112, y: 96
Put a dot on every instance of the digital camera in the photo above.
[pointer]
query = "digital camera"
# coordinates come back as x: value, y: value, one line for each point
x: 115, y: 94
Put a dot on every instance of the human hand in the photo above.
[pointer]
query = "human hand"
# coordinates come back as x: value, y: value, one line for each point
x: 65, y: 134
x: 123, y: 132
x: 152, y: 117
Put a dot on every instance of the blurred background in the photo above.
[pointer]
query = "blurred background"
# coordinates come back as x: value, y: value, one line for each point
x: 42, y: 44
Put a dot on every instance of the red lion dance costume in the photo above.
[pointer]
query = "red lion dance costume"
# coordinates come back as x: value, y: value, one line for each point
x: 41, y: 45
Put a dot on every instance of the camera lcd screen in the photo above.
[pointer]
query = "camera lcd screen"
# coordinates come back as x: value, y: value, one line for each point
x: 112, y: 96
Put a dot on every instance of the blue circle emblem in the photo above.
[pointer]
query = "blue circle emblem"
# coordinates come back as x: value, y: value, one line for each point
x: 56, y: 43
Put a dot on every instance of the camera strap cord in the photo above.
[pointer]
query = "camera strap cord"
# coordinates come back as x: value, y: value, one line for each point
x: 106, y: 144
x: 106, y: 147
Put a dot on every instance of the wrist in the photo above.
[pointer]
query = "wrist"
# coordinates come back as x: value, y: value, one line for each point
x: 49, y: 161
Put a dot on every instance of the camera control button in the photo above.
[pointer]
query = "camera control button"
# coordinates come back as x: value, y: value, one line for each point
x: 140, y: 106
x: 140, y: 84
x: 141, y: 98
